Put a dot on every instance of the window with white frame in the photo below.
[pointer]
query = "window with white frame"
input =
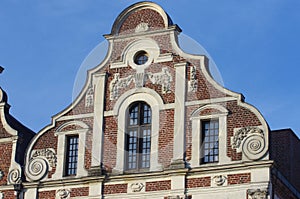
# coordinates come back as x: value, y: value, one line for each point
x: 71, y: 155
x: 209, y: 134
x: 138, y: 136
x: 210, y: 141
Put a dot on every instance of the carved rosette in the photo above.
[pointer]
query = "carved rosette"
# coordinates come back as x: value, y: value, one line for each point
x: 142, y: 27
x: 257, y: 194
x: 63, y: 194
x: 219, y: 180
x: 250, y: 141
x: 14, y: 176
x: 37, y: 169
x: 137, y: 187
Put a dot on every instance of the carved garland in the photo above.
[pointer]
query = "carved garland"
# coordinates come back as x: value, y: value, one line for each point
x: 163, y: 78
x: 250, y: 141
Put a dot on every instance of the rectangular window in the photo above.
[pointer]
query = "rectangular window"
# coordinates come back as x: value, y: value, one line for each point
x: 210, y: 141
x: 71, y: 155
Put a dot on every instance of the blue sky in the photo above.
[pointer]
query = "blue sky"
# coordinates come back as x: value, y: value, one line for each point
x: 255, y: 45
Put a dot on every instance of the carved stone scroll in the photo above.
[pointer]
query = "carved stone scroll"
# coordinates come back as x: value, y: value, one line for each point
x: 250, y: 141
x: 14, y: 176
x: 41, y: 161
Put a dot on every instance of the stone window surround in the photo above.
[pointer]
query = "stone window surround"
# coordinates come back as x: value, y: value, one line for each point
x: 196, y: 134
x: 121, y: 109
x: 62, y: 146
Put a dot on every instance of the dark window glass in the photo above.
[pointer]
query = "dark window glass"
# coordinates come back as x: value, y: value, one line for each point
x: 141, y: 58
x: 71, y: 155
x: 138, y: 137
x: 210, y: 141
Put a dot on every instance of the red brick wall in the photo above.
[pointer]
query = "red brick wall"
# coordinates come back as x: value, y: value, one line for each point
x: 110, y: 142
x: 115, y: 188
x: 9, y: 194
x: 158, y: 185
x: 151, y: 17
x: 80, y: 108
x: 284, y: 150
x: 3, y: 132
x: 5, y: 158
x: 238, y: 117
x: 165, y: 139
x: 47, y: 194
x: 198, y: 182
x: 76, y: 192
x: 239, y: 178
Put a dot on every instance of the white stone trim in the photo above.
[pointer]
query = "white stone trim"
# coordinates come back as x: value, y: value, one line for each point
x: 99, y: 82
x: 210, y: 101
x: 121, y: 108
x: 146, y: 44
x: 179, y: 115
x: 146, y: 91
x: 135, y: 7
x: 196, y: 134
x: 75, y: 117
x: 61, y: 147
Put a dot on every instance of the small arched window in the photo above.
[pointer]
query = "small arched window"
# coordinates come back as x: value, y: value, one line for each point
x: 138, y: 136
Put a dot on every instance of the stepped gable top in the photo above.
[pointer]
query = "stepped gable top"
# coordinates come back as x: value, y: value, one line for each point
x: 141, y: 17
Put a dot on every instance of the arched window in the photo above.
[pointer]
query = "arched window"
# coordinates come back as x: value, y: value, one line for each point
x: 138, y: 136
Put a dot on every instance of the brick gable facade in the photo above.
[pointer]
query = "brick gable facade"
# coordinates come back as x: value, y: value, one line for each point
x: 115, y: 157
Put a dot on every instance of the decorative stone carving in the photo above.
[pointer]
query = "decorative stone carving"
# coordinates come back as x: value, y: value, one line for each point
x: 219, y: 180
x: 118, y: 83
x: 257, y: 194
x: 1, y: 175
x: 37, y: 169
x: 48, y: 153
x: 63, y: 194
x: 192, y: 83
x: 1, y: 195
x: 89, y: 97
x: 14, y: 176
x: 137, y: 187
x: 142, y: 27
x: 250, y: 141
x: 163, y: 78
x: 139, y: 80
